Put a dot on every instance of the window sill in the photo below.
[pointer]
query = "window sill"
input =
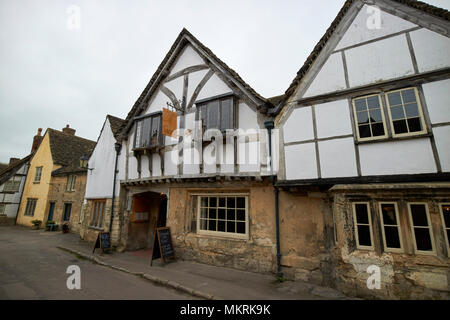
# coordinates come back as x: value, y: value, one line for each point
x: 36, y: 182
x: 95, y: 228
x: 388, y: 139
x: 219, y: 236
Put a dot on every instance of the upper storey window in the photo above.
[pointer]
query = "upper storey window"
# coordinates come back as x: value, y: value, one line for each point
x: 217, y: 113
x: 148, y: 131
x: 404, y: 111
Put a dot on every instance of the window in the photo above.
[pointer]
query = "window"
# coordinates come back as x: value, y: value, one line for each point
x: 405, y: 112
x: 148, y: 132
x: 71, y: 179
x: 98, y: 211
x: 225, y: 215
x: 38, y: 174
x: 363, y: 225
x: 31, y: 206
x: 392, y: 237
x: 369, y: 118
x: 445, y: 215
x: 421, y: 227
x: 217, y: 114
x: 67, y: 210
x: 11, y: 186
x: 2, y: 208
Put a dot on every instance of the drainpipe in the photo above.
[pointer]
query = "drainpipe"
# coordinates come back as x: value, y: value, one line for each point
x: 117, y: 147
x: 269, y: 126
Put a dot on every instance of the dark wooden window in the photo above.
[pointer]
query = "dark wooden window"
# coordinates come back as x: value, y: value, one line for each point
x: 217, y: 114
x: 38, y: 174
x: 98, y: 211
x: 67, y: 210
x: 31, y: 206
x: 148, y: 132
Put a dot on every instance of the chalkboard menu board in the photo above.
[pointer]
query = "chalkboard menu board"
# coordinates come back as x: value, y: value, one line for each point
x: 165, y: 244
x: 103, y: 241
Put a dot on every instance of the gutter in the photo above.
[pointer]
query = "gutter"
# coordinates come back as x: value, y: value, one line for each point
x: 269, y: 126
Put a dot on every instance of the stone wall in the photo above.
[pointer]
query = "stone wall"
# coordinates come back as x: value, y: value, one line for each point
x: 406, y: 275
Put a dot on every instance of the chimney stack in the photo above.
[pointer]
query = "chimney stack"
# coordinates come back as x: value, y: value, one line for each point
x: 68, y: 130
x: 36, y: 141
x: 12, y: 160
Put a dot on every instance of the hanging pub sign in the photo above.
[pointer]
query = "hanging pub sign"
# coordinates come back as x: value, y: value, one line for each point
x: 169, y: 123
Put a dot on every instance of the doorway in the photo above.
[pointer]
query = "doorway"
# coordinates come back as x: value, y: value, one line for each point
x: 50, y: 211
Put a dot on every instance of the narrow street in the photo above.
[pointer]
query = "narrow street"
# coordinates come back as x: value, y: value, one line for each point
x: 31, y: 267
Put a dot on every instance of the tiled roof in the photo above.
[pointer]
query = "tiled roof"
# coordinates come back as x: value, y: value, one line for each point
x: 427, y: 8
x: 10, y: 170
x: 67, y: 150
x: 116, y: 124
x: 139, y: 105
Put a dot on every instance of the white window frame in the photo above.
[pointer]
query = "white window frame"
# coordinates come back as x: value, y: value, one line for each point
x: 355, y: 118
x: 240, y: 236
x: 71, y: 180
x: 355, y: 223
x: 419, y: 106
x: 441, y: 211
x: 430, y: 228
x: 398, y: 225
x: 38, y: 174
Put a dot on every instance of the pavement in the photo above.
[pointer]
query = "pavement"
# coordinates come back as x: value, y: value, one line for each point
x: 196, y: 280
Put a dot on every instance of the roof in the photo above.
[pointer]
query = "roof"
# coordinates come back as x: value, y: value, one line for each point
x: 167, y: 62
x: 10, y: 170
x: 116, y: 124
x: 427, y: 8
x: 67, y: 150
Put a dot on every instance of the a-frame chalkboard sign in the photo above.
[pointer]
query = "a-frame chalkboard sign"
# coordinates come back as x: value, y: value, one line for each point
x: 164, y: 245
x: 103, y: 241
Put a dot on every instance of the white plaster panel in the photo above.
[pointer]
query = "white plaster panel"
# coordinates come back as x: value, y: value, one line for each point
x: 171, y: 162
x: 437, y: 97
x: 158, y: 102
x: 248, y: 156
x: 247, y: 117
x: 299, y: 125
x: 442, y: 139
x: 364, y: 28
x: 330, y: 78
x: 11, y: 210
x: 431, y: 50
x: 176, y: 86
x: 213, y: 87
x: 300, y: 161
x: 156, y: 165
x: 132, y: 167
x: 194, y: 80
x: 381, y: 60
x: 337, y: 158
x: 333, y: 119
x: 227, y: 158
x: 189, y: 57
x: 397, y: 157
x: 145, y: 172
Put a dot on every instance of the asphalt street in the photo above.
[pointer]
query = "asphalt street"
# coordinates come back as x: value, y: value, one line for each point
x: 31, y: 267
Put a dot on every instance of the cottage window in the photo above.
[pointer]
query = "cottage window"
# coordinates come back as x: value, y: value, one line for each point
x: 369, y: 118
x: 217, y: 113
x: 31, y: 206
x: 421, y: 227
x: 390, y: 223
x: 405, y: 112
x: 223, y: 215
x: 11, y: 186
x: 38, y: 174
x: 148, y: 132
x: 445, y: 215
x: 67, y: 211
x: 98, y: 211
x: 363, y: 225
x: 71, y: 179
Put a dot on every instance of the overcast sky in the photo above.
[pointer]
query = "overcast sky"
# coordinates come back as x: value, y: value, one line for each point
x: 53, y: 74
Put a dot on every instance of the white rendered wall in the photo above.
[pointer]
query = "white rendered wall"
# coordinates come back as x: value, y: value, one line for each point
x: 437, y: 96
x: 187, y: 59
x: 333, y: 119
x: 330, y: 77
x: 397, y: 157
x: 381, y: 60
x: 337, y: 158
x: 442, y: 139
x: 431, y: 50
x: 99, y: 182
x: 300, y: 161
x: 363, y: 28
x: 213, y: 87
x: 299, y: 126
